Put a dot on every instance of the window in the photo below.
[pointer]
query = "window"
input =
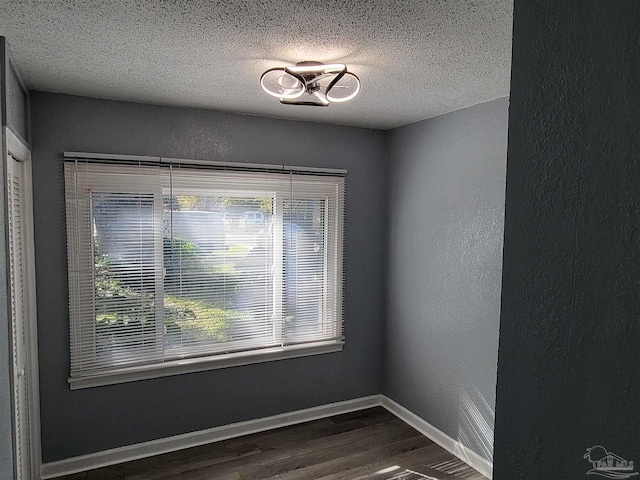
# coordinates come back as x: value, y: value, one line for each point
x: 175, y: 268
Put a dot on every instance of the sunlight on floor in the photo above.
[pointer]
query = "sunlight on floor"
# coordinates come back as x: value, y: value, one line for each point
x: 418, y: 471
x: 398, y: 473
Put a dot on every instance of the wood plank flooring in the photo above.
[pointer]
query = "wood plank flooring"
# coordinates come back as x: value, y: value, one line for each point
x: 368, y: 444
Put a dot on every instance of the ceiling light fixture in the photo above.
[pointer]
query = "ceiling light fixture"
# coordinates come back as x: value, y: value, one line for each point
x: 311, y: 83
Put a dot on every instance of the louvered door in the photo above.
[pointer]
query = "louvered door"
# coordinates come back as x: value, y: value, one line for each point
x: 19, y: 315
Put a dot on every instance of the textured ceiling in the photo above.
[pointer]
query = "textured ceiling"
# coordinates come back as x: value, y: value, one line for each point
x: 416, y: 58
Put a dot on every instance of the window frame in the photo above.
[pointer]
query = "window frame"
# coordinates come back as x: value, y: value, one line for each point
x: 99, y: 181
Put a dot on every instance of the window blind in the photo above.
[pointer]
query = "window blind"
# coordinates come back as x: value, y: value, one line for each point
x: 171, y: 262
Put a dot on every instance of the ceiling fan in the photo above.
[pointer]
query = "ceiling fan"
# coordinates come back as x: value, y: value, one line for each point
x: 311, y: 83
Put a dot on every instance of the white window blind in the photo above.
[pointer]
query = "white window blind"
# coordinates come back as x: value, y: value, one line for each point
x: 174, y: 263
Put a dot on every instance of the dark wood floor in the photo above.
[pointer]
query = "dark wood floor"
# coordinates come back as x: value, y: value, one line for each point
x: 369, y: 444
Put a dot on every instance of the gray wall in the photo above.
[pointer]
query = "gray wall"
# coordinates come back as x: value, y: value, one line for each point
x: 15, y: 111
x: 89, y: 420
x: 446, y: 210
x: 569, y: 361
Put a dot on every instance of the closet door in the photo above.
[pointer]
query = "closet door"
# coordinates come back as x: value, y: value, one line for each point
x: 17, y: 218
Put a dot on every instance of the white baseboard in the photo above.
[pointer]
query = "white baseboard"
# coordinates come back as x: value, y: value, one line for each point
x: 216, y: 434
x: 464, y: 453
x: 202, y: 437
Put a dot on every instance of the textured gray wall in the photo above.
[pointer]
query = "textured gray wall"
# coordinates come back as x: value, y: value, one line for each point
x: 15, y: 112
x: 569, y: 361
x: 446, y: 210
x: 6, y: 439
x: 89, y: 420
x: 17, y: 115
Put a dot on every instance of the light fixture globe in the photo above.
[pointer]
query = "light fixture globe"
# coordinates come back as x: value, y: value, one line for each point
x: 311, y: 83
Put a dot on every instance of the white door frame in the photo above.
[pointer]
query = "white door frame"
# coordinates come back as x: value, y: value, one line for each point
x: 15, y: 147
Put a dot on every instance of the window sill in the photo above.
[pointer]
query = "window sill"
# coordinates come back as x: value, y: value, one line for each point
x: 201, y: 364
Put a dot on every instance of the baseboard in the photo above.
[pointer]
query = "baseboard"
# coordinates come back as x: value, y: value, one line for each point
x: 464, y: 453
x: 202, y: 437
x: 216, y: 434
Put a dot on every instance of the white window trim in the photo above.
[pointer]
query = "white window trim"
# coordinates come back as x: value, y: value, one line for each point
x: 202, y: 364
x: 216, y: 361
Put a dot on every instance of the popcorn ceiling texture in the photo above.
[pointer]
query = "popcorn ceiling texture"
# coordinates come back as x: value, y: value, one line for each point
x: 417, y: 59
